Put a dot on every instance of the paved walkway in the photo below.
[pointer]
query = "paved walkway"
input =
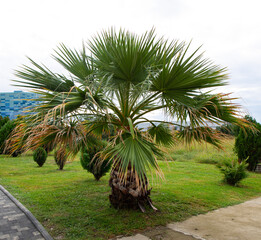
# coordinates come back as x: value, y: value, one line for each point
x: 239, y: 222
x: 16, y: 222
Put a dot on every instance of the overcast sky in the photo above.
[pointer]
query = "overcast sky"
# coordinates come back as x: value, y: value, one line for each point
x: 229, y: 30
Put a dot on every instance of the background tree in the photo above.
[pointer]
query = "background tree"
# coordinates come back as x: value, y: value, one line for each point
x: 3, y: 121
x: 248, y: 144
x: 5, y: 131
x: 122, y: 79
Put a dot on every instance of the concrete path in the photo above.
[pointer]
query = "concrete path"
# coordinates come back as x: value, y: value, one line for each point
x: 16, y: 222
x: 239, y: 222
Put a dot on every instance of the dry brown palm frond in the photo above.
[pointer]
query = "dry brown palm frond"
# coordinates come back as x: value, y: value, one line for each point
x: 66, y: 134
x: 17, y: 138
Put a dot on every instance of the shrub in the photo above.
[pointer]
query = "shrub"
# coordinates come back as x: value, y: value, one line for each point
x: 5, y: 131
x: 16, y: 153
x: 60, y: 158
x: 91, y: 162
x: 233, y: 171
x: 248, y: 145
x: 40, y: 156
x: 3, y: 121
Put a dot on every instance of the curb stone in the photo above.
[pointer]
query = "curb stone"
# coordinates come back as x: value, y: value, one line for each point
x: 31, y: 217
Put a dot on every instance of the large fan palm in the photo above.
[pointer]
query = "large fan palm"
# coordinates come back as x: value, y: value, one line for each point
x: 123, y: 78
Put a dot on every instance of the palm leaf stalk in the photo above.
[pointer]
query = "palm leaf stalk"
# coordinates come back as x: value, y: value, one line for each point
x: 123, y: 78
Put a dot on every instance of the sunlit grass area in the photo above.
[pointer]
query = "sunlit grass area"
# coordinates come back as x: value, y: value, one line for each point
x: 72, y: 205
x: 202, y: 153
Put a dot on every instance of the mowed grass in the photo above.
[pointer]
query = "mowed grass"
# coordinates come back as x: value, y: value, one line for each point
x: 72, y: 205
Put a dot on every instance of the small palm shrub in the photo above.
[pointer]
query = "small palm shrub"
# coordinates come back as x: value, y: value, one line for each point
x: 233, y: 171
x: 40, y: 156
x: 60, y: 158
x: 91, y: 162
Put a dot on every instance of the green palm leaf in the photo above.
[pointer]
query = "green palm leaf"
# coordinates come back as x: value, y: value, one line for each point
x: 140, y: 153
x: 41, y: 77
x: 183, y: 76
x: 77, y: 63
x: 162, y: 134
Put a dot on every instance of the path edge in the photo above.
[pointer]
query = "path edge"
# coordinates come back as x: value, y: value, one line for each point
x: 31, y: 217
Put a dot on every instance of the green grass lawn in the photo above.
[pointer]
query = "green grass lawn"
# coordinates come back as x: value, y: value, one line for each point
x: 72, y: 205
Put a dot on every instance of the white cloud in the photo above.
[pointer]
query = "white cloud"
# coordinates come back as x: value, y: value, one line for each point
x: 229, y: 31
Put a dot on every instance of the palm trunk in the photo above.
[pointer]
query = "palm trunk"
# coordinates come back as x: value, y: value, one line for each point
x: 126, y: 194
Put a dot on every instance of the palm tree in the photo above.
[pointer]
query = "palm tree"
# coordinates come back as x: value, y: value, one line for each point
x: 122, y: 79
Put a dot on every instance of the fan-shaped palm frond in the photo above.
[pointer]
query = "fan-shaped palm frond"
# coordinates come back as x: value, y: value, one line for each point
x: 77, y: 63
x: 162, y: 134
x: 137, y: 152
x: 40, y: 77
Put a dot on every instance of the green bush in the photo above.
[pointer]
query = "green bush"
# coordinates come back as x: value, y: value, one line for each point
x: 3, y: 121
x: 233, y: 171
x: 60, y: 158
x: 40, y: 156
x: 248, y: 144
x: 91, y: 162
x: 5, y: 131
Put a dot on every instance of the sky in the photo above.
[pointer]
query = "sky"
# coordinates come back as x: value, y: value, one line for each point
x: 228, y: 30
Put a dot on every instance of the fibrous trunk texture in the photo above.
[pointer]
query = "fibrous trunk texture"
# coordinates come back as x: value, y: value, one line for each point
x: 127, y: 193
